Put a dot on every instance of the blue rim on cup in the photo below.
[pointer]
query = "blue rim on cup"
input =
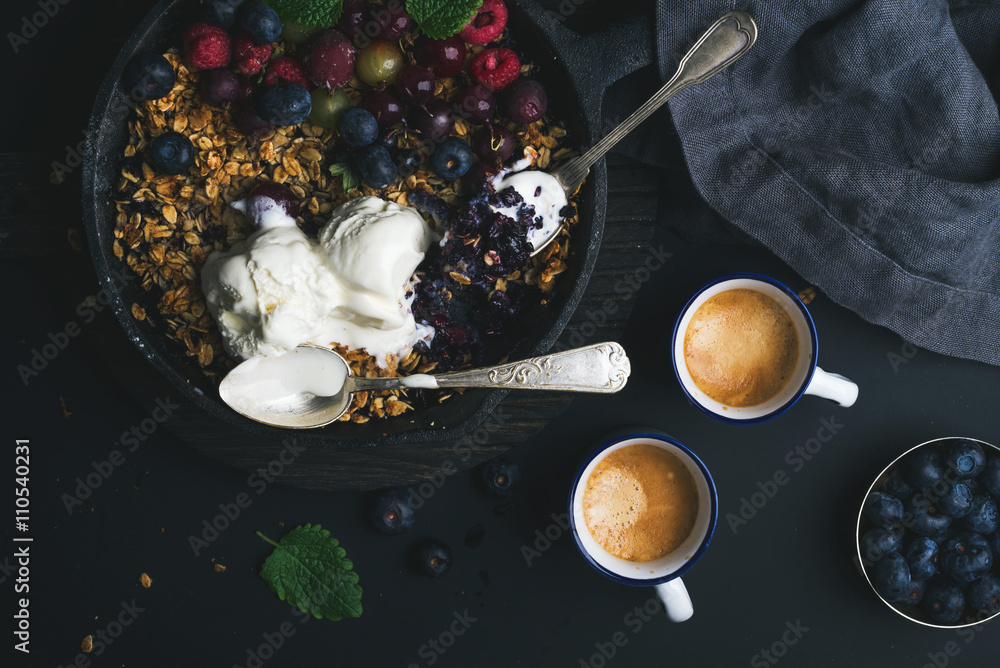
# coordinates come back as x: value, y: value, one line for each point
x: 808, y: 378
x: 663, y: 573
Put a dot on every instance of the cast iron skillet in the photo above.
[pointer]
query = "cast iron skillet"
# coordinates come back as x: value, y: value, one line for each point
x: 575, y: 71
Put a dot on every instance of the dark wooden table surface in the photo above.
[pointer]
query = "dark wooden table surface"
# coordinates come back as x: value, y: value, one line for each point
x: 776, y: 587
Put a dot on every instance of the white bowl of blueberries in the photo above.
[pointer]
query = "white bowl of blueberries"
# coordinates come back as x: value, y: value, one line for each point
x: 927, y: 533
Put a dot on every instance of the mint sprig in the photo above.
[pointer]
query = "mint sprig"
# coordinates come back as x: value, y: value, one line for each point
x: 313, y: 13
x: 442, y: 18
x: 347, y: 173
x: 311, y: 571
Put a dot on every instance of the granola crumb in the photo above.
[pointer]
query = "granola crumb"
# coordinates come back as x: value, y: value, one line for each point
x: 88, y: 644
x: 62, y: 405
x: 808, y: 295
x: 146, y: 581
x: 219, y: 568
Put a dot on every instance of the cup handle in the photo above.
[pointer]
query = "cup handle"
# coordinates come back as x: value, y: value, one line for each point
x: 834, y: 387
x: 675, y: 599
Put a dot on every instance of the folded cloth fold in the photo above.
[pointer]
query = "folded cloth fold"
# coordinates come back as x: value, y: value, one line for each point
x: 859, y: 140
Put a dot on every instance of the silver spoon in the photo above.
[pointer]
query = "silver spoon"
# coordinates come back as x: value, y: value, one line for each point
x: 313, y: 386
x: 723, y: 44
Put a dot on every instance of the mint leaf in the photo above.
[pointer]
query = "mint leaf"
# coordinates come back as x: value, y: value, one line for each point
x: 349, y: 176
x: 315, y: 13
x: 311, y: 571
x: 442, y: 18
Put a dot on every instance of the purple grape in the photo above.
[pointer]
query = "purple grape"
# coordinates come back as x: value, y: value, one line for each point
x: 435, y: 120
x: 446, y: 57
x: 477, y: 103
x: 353, y: 17
x: 415, y: 84
x: 386, y: 107
x: 526, y: 101
x: 219, y: 87
x: 330, y: 61
x: 394, y: 20
x: 494, y: 143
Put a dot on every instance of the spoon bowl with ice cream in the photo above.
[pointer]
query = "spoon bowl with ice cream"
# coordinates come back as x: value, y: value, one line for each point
x: 312, y: 386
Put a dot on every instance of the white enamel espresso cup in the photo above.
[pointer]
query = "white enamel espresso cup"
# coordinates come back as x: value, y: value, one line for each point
x: 663, y: 573
x: 807, y: 378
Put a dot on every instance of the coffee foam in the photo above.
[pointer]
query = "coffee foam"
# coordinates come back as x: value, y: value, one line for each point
x: 741, y: 347
x: 640, y: 503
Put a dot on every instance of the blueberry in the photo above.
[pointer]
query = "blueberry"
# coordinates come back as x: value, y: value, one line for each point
x: 501, y: 477
x: 430, y: 557
x: 389, y: 139
x: 892, y: 577
x: 452, y: 159
x: 956, y: 501
x: 989, y: 479
x: 376, y: 166
x: 877, y: 542
x: 408, y: 161
x: 220, y: 13
x: 172, y: 153
x: 984, y: 595
x: 924, y: 518
x: 965, y: 458
x: 897, y: 487
x: 994, y: 540
x: 982, y: 517
x: 916, y: 593
x: 285, y: 104
x: 944, y: 602
x: 148, y: 76
x: 260, y: 22
x: 922, y: 468
x: 883, y: 509
x: 966, y: 557
x: 391, y: 512
x: 922, y: 557
x: 358, y: 127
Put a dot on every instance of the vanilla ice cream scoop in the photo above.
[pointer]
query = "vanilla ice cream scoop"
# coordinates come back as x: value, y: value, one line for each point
x: 279, y: 288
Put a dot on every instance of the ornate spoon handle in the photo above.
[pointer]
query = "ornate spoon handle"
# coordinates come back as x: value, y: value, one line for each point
x: 723, y: 44
x: 602, y: 368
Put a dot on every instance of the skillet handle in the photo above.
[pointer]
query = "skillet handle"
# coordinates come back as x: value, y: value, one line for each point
x: 35, y: 214
x: 598, y: 59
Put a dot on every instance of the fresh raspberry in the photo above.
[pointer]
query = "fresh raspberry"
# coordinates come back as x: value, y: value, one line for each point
x: 250, y: 59
x: 206, y: 47
x: 285, y: 68
x: 495, y: 68
x: 487, y: 25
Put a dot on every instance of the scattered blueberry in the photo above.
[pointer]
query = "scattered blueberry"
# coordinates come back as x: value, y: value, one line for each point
x: 260, y: 22
x: 432, y: 204
x: 922, y: 468
x: 944, y: 602
x: 883, y: 509
x: 956, y: 501
x: 501, y: 477
x: 984, y: 594
x: 431, y: 557
x: 966, y: 458
x: 994, y: 540
x: 924, y: 518
x: 172, y: 153
x: 877, y: 542
x: 376, y: 166
x: 358, y: 127
x: 220, y: 13
x: 922, y: 557
x: 892, y: 577
x: 391, y: 513
x: 897, y: 487
x: 148, y: 76
x: 966, y: 557
x: 388, y: 139
x: 452, y: 159
x: 285, y: 104
x: 989, y: 479
x: 982, y: 516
